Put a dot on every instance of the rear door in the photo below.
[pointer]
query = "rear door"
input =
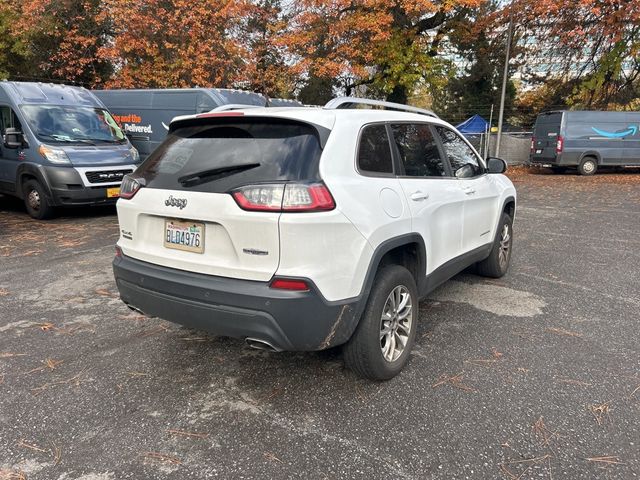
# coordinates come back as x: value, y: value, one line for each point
x: 434, y: 196
x: 189, y: 180
x: 481, y: 194
x: 545, y: 137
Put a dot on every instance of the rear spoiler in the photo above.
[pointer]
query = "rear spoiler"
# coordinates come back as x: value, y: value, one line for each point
x: 231, y: 116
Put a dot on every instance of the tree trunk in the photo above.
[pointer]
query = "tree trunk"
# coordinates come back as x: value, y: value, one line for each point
x: 398, y: 95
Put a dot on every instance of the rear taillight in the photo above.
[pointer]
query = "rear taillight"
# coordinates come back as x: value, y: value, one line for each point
x: 559, y: 144
x: 281, y: 197
x: 118, y: 252
x: 289, y: 284
x: 129, y: 187
x: 533, y: 144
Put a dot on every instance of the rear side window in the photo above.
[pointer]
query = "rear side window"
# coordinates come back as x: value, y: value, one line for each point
x: 418, y: 150
x: 464, y: 162
x: 374, y: 153
x: 223, y: 155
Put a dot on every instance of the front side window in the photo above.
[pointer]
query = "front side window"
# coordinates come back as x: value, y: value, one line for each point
x: 70, y: 123
x: 418, y: 150
x: 374, y: 153
x: 464, y: 162
x: 8, y: 119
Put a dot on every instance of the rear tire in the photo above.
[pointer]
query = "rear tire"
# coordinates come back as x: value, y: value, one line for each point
x: 497, y: 263
x: 35, y: 200
x: 382, y: 342
x: 588, y: 166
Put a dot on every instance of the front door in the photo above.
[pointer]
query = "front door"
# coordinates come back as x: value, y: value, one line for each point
x: 433, y: 195
x: 9, y: 157
x: 481, y: 195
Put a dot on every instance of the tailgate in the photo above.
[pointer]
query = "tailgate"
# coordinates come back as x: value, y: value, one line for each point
x: 232, y: 242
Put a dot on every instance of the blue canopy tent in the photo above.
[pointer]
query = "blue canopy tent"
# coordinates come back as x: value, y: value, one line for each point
x: 473, y: 125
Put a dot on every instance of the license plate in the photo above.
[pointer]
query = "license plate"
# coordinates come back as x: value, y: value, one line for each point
x: 538, y: 152
x: 113, y: 192
x: 187, y: 236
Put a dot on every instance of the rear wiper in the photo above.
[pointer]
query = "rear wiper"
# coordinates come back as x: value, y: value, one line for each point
x: 193, y: 179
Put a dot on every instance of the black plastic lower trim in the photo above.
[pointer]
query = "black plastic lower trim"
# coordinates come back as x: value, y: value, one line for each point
x: 288, y: 320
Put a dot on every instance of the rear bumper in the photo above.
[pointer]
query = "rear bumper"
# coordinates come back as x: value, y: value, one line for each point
x: 298, y: 321
x: 564, y: 159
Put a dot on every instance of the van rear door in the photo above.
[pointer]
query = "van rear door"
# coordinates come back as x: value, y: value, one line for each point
x: 545, y: 137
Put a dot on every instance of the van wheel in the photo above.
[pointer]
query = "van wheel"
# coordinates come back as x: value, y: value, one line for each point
x: 497, y: 263
x: 382, y: 342
x: 588, y: 166
x: 35, y: 200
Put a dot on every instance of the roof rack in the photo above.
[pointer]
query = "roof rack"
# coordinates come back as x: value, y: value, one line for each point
x: 234, y: 106
x: 348, y: 102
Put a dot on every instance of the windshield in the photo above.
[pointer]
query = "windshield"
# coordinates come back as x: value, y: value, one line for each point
x: 70, y: 123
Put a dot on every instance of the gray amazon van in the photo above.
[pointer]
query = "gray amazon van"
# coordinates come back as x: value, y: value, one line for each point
x: 145, y: 115
x: 587, y: 140
x: 60, y: 147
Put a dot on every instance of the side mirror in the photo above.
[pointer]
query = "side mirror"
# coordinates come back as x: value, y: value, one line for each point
x: 496, y: 165
x: 13, y: 138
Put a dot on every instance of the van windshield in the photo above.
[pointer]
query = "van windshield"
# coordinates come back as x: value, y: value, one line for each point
x: 70, y: 123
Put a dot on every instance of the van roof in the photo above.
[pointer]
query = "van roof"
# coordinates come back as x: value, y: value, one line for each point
x: 222, y: 96
x: 49, y: 93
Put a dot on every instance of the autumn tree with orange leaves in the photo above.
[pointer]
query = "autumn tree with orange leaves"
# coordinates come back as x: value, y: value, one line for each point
x: 386, y: 46
x: 582, y: 52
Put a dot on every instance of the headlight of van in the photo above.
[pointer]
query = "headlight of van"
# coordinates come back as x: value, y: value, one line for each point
x: 54, y: 155
x: 134, y: 154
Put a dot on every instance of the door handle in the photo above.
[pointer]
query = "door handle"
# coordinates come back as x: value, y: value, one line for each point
x: 469, y: 191
x: 419, y: 196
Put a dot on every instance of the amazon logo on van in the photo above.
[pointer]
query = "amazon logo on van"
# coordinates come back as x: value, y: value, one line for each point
x: 629, y: 132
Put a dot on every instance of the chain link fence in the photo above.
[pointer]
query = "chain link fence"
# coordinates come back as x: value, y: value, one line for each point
x: 514, y: 146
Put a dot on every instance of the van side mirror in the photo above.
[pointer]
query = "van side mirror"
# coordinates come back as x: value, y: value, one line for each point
x: 496, y: 165
x: 13, y: 138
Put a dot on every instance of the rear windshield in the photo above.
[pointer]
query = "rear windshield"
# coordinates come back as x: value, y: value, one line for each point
x: 221, y: 156
x: 547, y: 126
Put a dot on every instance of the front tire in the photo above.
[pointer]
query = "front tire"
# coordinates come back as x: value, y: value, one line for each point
x: 588, y: 166
x: 497, y: 263
x: 380, y: 347
x: 35, y: 200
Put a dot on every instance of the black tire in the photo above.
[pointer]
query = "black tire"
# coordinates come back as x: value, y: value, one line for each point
x: 35, y: 200
x: 364, y: 352
x: 588, y: 166
x: 497, y: 263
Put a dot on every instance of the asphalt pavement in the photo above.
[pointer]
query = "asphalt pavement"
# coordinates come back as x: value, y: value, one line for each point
x: 535, y: 375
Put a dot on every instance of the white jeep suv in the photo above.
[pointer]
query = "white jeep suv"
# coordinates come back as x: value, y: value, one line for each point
x: 308, y: 228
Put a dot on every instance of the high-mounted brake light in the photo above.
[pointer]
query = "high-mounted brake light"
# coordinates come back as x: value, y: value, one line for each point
x: 281, y: 197
x: 559, y: 144
x: 129, y: 187
x: 288, y: 284
x: 220, y: 114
